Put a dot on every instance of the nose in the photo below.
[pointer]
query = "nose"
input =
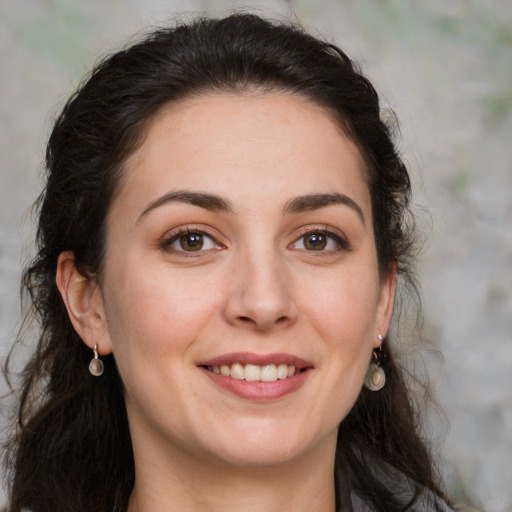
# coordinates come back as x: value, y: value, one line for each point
x: 261, y: 293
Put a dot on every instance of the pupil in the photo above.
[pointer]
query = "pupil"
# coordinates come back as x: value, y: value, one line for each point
x: 316, y: 241
x: 192, y: 242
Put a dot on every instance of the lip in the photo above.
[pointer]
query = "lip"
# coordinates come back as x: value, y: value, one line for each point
x: 257, y: 359
x: 258, y: 391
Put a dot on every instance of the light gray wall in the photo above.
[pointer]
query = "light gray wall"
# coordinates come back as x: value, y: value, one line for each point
x: 445, y: 68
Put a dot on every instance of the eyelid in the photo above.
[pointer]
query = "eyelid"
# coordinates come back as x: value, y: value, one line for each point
x: 335, y: 234
x: 174, y: 234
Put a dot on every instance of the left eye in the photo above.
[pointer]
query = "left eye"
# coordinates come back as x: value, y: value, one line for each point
x: 316, y: 242
x: 191, y: 242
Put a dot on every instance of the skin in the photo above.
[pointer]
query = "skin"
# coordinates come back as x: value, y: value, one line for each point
x: 256, y: 286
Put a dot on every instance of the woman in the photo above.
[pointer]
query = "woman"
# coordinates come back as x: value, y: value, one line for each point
x: 223, y: 224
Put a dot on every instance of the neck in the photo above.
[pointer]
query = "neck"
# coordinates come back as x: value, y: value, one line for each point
x: 181, y: 484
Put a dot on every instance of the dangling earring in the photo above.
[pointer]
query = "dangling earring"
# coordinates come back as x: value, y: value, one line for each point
x: 96, y: 364
x: 375, y: 376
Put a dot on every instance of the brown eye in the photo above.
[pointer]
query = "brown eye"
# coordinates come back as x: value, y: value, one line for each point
x: 321, y: 241
x: 315, y: 242
x: 191, y: 242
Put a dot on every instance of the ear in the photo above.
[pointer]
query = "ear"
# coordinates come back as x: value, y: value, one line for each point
x: 385, y: 304
x: 84, y: 303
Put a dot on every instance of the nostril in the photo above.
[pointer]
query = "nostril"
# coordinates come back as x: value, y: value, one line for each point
x: 261, y: 323
x: 249, y: 320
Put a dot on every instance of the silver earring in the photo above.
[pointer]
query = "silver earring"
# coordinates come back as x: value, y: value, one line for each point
x: 96, y: 364
x: 375, y: 377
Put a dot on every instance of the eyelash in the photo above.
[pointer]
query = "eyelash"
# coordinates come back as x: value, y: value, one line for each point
x: 174, y: 237
x: 340, y: 241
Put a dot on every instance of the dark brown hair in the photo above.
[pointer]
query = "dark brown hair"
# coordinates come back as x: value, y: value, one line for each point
x: 71, y: 450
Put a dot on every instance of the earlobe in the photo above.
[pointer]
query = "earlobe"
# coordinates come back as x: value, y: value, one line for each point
x: 84, y: 303
x: 386, y: 302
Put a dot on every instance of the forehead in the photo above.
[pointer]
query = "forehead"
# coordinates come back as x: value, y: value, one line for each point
x: 246, y: 144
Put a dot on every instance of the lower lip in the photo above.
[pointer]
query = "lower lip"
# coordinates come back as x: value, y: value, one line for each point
x: 258, y: 391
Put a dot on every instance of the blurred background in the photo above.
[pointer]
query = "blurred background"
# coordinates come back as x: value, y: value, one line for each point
x: 445, y: 68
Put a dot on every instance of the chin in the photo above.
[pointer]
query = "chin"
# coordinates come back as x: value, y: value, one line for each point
x: 269, y: 445
x: 260, y: 457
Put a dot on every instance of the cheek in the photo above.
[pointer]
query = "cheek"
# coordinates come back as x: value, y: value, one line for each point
x: 343, y: 306
x: 153, y: 316
x: 345, y: 318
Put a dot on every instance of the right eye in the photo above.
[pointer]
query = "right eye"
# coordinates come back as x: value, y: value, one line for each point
x: 190, y: 241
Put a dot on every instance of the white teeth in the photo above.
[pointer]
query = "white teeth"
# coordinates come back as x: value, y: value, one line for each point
x: 237, y: 371
x: 269, y: 373
x: 255, y: 373
x: 282, y: 371
x: 252, y: 373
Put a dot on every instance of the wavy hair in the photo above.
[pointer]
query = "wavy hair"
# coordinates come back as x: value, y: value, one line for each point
x: 71, y: 450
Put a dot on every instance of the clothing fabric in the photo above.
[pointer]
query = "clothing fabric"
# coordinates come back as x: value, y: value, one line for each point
x: 400, y: 487
x: 426, y: 503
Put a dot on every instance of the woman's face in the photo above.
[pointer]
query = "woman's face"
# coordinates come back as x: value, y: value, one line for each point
x: 241, y: 295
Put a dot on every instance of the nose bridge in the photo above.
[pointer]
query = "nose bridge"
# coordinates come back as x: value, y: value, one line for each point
x: 261, y: 291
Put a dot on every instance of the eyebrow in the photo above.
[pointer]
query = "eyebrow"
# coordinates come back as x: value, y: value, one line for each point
x: 202, y: 199
x: 217, y: 203
x: 316, y: 201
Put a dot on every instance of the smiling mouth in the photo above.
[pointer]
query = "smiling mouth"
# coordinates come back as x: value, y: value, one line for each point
x: 255, y: 373
x: 257, y: 377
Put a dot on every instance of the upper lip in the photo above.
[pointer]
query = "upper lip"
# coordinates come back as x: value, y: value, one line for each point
x: 257, y: 359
